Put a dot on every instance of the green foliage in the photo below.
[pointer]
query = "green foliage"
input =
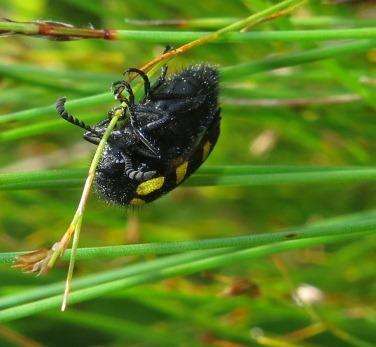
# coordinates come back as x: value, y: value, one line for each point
x: 261, y: 212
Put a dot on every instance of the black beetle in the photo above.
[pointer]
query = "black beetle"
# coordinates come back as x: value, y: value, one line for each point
x: 160, y: 141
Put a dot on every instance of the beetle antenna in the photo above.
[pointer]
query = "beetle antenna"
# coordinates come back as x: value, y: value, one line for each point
x: 62, y: 112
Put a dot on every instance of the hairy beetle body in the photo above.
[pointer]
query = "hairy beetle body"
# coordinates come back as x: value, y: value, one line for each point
x: 161, y: 141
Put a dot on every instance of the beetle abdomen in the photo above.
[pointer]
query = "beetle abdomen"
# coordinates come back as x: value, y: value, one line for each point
x: 116, y: 188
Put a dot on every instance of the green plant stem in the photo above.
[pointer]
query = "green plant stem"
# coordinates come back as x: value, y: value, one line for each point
x: 332, y: 225
x: 244, y: 70
x: 175, y: 37
x: 67, y: 33
x: 90, y: 280
x: 75, y: 226
x: 63, y: 32
x: 53, y: 30
x: 72, y: 260
x: 244, y: 37
x: 218, y: 22
x: 75, y: 173
x: 279, y: 9
x: 239, y: 241
x: 233, y: 256
x: 228, y: 74
x: 230, y: 176
x: 287, y: 178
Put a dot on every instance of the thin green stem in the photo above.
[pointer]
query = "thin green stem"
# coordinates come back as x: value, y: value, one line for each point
x: 72, y: 259
x: 19, y: 27
x: 231, y: 24
x: 76, y: 223
x: 343, y: 225
x: 218, y: 22
x: 102, y: 277
x: 244, y: 37
x: 333, y: 176
x: 260, y: 16
x: 230, y: 176
x: 248, y: 22
x: 239, y: 241
x: 175, y: 37
x: 244, y: 70
x: 208, y: 262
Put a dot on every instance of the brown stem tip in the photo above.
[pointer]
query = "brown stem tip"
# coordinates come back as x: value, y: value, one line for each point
x: 34, y: 262
x: 55, y: 30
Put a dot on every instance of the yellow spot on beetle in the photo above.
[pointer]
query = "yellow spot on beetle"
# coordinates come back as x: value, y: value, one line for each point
x: 150, y: 186
x: 206, y: 150
x: 181, y: 171
x: 137, y: 202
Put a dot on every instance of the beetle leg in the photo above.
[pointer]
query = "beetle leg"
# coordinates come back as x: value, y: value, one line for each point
x: 157, y: 123
x: 143, y: 75
x: 92, y: 138
x: 145, y: 152
x: 153, y: 149
x: 136, y: 174
x: 155, y: 153
x: 140, y: 132
x: 118, y: 87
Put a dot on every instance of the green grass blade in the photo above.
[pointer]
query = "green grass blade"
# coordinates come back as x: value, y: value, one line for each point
x: 233, y: 256
x: 244, y: 70
x: 218, y: 22
x: 102, y: 277
x: 343, y: 225
x: 245, y: 37
x: 228, y: 74
x: 217, y: 176
x: 239, y: 241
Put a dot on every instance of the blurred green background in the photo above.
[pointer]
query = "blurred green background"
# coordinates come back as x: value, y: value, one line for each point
x: 200, y: 309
